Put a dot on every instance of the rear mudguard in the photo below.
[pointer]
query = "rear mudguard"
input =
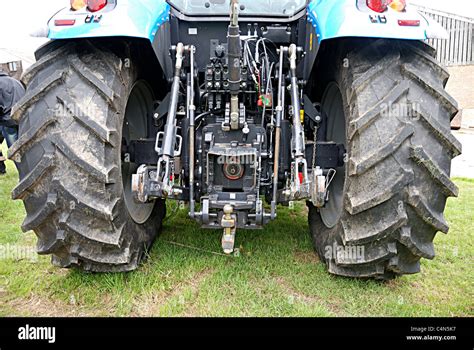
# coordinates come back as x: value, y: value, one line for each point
x: 330, y: 18
x: 142, y: 19
x: 129, y: 18
x: 352, y: 18
x: 327, y: 19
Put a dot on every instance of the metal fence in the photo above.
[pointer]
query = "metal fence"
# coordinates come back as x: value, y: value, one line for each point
x: 458, y: 49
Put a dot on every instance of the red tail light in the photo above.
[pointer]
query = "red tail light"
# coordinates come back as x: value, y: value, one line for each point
x: 409, y: 22
x: 378, y: 5
x: 96, y: 5
x: 382, y: 5
x: 64, y: 22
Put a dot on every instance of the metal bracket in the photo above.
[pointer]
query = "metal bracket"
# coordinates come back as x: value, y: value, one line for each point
x: 318, y: 192
x: 139, y: 182
x: 159, y: 141
x: 229, y: 223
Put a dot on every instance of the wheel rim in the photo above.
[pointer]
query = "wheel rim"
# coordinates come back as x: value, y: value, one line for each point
x: 332, y: 104
x: 139, y: 107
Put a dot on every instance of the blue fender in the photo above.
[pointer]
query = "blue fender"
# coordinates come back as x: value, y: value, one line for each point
x: 129, y: 18
x: 330, y: 19
x: 351, y: 18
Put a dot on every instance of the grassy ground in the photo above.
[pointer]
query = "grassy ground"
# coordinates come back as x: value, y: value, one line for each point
x: 276, y: 274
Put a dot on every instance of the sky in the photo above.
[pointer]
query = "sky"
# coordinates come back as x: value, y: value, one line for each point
x: 20, y: 18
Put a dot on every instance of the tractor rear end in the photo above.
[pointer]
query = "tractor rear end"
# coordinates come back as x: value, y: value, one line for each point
x: 237, y: 118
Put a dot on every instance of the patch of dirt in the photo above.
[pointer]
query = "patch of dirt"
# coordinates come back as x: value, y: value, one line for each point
x: 40, y: 306
x: 332, y: 306
x: 150, y: 304
x: 306, y: 257
x: 438, y: 293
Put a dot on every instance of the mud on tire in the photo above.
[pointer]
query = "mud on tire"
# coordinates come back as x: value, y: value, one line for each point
x: 396, y: 182
x: 69, y: 154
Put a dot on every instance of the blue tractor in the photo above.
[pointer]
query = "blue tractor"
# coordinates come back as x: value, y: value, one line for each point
x: 237, y: 108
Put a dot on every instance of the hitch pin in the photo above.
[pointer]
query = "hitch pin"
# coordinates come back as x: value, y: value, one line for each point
x: 229, y: 224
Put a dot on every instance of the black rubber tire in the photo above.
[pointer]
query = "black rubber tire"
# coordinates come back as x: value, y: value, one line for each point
x: 397, y: 176
x: 69, y: 154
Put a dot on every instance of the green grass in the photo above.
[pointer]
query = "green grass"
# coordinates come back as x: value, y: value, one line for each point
x: 276, y: 274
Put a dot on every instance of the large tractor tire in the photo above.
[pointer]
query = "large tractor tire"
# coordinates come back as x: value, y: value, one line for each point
x: 385, y: 100
x: 82, y: 104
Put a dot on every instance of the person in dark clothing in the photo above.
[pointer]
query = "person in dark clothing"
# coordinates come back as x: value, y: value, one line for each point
x: 11, y: 91
x: 3, y: 169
